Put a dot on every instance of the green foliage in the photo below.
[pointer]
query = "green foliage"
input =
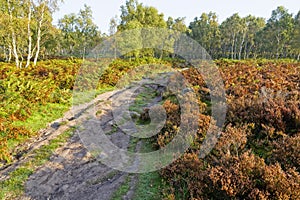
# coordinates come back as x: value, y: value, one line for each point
x: 135, y: 15
x: 79, y: 33
x: 128, y: 70
x: 30, y: 34
x: 279, y: 29
x: 15, y: 185
x: 150, y: 186
x: 31, y: 98
x: 206, y: 32
x: 144, y: 15
x: 42, y: 116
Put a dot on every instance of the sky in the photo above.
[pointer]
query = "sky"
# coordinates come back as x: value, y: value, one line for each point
x: 103, y: 11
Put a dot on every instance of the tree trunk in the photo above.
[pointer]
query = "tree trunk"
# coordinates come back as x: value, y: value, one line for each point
x: 9, y: 54
x: 232, y: 46
x: 13, y: 36
x: 83, y: 54
x: 246, y: 50
x: 277, y: 48
x: 29, y: 35
x: 241, y: 47
x: 22, y: 59
x: 249, y: 51
x: 39, y: 33
x: 235, y: 49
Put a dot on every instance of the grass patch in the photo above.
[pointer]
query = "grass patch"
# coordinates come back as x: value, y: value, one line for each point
x: 123, y: 189
x: 42, y: 116
x: 38, y: 120
x: 13, y: 188
x: 87, y: 96
x: 15, y: 185
x: 150, y: 185
x: 142, y: 99
x: 132, y: 144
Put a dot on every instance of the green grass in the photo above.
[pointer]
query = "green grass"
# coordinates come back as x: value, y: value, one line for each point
x: 87, y: 96
x: 150, y: 185
x: 142, y: 99
x: 123, y: 189
x: 15, y: 185
x: 38, y: 120
x: 13, y: 188
x: 132, y: 144
x: 42, y: 116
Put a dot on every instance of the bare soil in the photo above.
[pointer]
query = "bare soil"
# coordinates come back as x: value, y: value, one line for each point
x: 72, y: 172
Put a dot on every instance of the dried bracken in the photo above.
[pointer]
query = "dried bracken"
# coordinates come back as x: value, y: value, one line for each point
x: 257, y: 154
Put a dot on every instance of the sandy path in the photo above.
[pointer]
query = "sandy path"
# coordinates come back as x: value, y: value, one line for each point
x: 73, y: 173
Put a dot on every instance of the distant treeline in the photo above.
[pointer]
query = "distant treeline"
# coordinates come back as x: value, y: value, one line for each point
x: 28, y: 34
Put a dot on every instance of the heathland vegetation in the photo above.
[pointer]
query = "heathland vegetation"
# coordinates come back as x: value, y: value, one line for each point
x: 258, y: 153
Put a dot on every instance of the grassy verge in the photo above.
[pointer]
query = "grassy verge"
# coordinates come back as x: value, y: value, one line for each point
x: 123, y: 189
x: 13, y: 188
x: 39, y: 118
x: 42, y: 116
x: 150, y: 185
x: 87, y: 96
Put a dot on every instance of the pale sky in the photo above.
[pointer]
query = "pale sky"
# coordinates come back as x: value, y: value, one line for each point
x: 103, y: 11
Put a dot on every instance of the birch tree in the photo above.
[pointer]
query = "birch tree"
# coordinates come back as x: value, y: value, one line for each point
x: 277, y: 33
x: 27, y: 19
x: 12, y: 22
x: 42, y: 7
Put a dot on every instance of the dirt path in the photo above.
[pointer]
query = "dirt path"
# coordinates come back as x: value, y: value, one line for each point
x: 72, y: 172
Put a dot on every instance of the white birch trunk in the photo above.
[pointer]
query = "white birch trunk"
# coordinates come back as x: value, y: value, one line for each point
x: 9, y: 53
x: 29, y: 34
x: 39, y: 33
x: 241, y: 46
x: 13, y: 36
